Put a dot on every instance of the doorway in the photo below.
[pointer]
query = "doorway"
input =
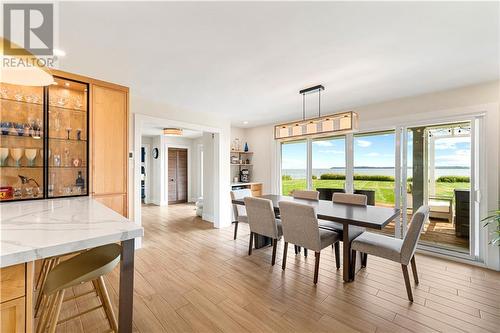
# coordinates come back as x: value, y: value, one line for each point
x: 177, y: 175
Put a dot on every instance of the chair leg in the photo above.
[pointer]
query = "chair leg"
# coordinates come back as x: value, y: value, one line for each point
x: 296, y: 249
x: 353, y: 264
x: 275, y: 245
x: 51, y: 263
x: 235, y: 229
x: 106, y: 302
x: 407, y: 282
x: 414, y: 269
x: 42, y: 272
x: 364, y: 259
x: 285, y: 250
x: 337, y: 254
x: 316, y: 267
x: 305, y: 252
x: 57, y: 311
x: 250, y: 243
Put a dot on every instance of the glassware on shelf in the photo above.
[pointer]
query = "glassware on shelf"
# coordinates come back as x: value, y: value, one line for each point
x: 4, y: 153
x: 36, y: 191
x: 78, y: 103
x: 57, y: 121
x: 18, y: 192
x: 4, y: 92
x: 51, y: 184
x: 16, y: 154
x: 18, y: 96
x: 6, y: 125
x: 57, y: 160
x: 68, y: 129
x: 78, y: 134
x: 67, y: 161
x: 61, y: 101
x: 30, y: 155
x: 19, y: 127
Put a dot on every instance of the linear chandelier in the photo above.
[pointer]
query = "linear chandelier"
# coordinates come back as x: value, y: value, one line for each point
x: 337, y: 123
x: 172, y: 131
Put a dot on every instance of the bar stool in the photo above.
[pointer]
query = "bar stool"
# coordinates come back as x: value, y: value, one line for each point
x: 89, y: 266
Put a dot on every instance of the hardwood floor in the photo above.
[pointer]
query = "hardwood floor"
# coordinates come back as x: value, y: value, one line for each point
x: 192, y: 278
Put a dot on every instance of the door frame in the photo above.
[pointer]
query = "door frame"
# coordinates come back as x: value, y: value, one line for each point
x: 164, y: 190
x: 147, y: 166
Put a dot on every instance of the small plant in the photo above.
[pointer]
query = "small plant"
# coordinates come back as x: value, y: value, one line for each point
x: 286, y: 177
x: 314, y: 177
x: 494, y: 219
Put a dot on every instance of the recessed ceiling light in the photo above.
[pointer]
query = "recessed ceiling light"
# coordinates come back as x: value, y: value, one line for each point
x: 59, y: 53
x: 245, y: 122
x: 66, y: 84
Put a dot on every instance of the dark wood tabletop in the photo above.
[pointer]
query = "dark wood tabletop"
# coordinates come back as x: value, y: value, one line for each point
x: 363, y: 216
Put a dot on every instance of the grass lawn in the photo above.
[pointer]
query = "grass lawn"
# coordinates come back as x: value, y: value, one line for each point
x: 384, y: 190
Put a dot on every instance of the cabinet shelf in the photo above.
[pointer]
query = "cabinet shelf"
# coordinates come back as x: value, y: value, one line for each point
x: 238, y: 164
x: 20, y: 167
x: 53, y: 107
x: 241, y: 152
x: 67, y: 167
x: 22, y: 136
x: 22, y: 102
x: 64, y: 139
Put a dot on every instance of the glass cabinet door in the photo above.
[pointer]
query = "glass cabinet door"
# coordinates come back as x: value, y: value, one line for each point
x: 67, y: 173
x: 21, y: 142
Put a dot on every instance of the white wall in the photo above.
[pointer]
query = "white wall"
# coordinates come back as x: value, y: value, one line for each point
x: 450, y: 104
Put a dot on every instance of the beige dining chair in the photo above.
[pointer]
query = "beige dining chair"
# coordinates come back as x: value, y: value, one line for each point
x: 239, y: 211
x: 300, y: 227
x: 398, y: 250
x: 262, y: 221
x: 347, y: 199
x: 309, y: 195
x: 305, y: 194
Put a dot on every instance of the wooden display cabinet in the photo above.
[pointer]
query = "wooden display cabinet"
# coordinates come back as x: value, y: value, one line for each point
x: 43, y: 141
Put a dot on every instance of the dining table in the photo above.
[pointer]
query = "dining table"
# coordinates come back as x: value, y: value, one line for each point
x: 350, y: 216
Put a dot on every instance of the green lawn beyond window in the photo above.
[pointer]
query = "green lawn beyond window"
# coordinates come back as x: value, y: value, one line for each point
x: 384, y: 190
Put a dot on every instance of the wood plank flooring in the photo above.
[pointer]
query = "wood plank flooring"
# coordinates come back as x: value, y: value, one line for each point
x: 193, y: 278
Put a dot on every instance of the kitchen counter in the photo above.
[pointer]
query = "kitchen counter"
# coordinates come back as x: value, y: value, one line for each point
x: 31, y: 230
x: 244, y: 184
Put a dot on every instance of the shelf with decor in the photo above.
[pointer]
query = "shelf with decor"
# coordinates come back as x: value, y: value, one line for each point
x: 44, y: 148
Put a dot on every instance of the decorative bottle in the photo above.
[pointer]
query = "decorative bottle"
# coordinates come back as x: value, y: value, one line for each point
x: 246, y: 147
x: 80, y: 182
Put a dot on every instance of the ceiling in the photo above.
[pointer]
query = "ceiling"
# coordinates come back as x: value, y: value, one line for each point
x: 247, y: 61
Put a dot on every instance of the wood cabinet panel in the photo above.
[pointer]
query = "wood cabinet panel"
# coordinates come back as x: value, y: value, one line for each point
x: 12, y: 316
x: 116, y: 202
x: 109, y: 140
x: 12, y: 282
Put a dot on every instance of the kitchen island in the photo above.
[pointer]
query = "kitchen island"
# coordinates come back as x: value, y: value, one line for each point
x: 40, y: 229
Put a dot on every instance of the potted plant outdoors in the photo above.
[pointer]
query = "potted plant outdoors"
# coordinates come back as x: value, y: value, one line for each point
x: 495, y: 220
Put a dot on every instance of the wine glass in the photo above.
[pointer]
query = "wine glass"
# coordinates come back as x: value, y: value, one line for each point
x: 30, y: 155
x: 68, y: 129
x: 4, y: 92
x: 16, y: 154
x: 4, y: 153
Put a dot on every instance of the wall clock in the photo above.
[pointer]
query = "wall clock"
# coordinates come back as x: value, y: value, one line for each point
x: 155, y: 153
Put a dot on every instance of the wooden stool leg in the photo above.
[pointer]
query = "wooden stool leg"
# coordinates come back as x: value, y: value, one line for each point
x: 46, y: 311
x: 52, y: 262
x: 106, y: 302
x: 57, y: 311
x: 337, y: 254
x: 42, y: 272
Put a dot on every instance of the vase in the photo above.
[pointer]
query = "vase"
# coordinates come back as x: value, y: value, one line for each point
x: 30, y: 155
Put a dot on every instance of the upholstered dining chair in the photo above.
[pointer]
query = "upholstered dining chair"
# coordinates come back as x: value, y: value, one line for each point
x: 239, y: 211
x: 262, y: 221
x: 300, y: 227
x: 305, y: 194
x: 398, y: 250
x: 347, y: 199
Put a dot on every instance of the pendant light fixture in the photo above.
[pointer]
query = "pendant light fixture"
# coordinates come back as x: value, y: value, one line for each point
x: 319, y: 126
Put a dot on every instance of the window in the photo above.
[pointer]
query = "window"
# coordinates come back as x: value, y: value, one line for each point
x: 293, y: 166
x: 328, y: 163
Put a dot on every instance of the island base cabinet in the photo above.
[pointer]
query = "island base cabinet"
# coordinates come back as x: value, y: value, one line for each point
x: 116, y: 202
x: 16, y: 298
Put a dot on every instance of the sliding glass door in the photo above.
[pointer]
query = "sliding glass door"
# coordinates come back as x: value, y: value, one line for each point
x: 438, y: 174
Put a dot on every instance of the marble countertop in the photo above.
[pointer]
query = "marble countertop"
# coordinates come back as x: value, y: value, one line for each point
x: 242, y: 184
x: 37, y: 229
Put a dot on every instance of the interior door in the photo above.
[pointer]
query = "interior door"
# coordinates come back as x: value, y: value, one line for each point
x: 177, y: 175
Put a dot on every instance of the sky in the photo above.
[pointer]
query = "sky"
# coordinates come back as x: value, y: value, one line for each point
x: 371, y: 150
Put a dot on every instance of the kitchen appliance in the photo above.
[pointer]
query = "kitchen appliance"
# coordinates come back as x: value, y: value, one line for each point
x: 244, y: 175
